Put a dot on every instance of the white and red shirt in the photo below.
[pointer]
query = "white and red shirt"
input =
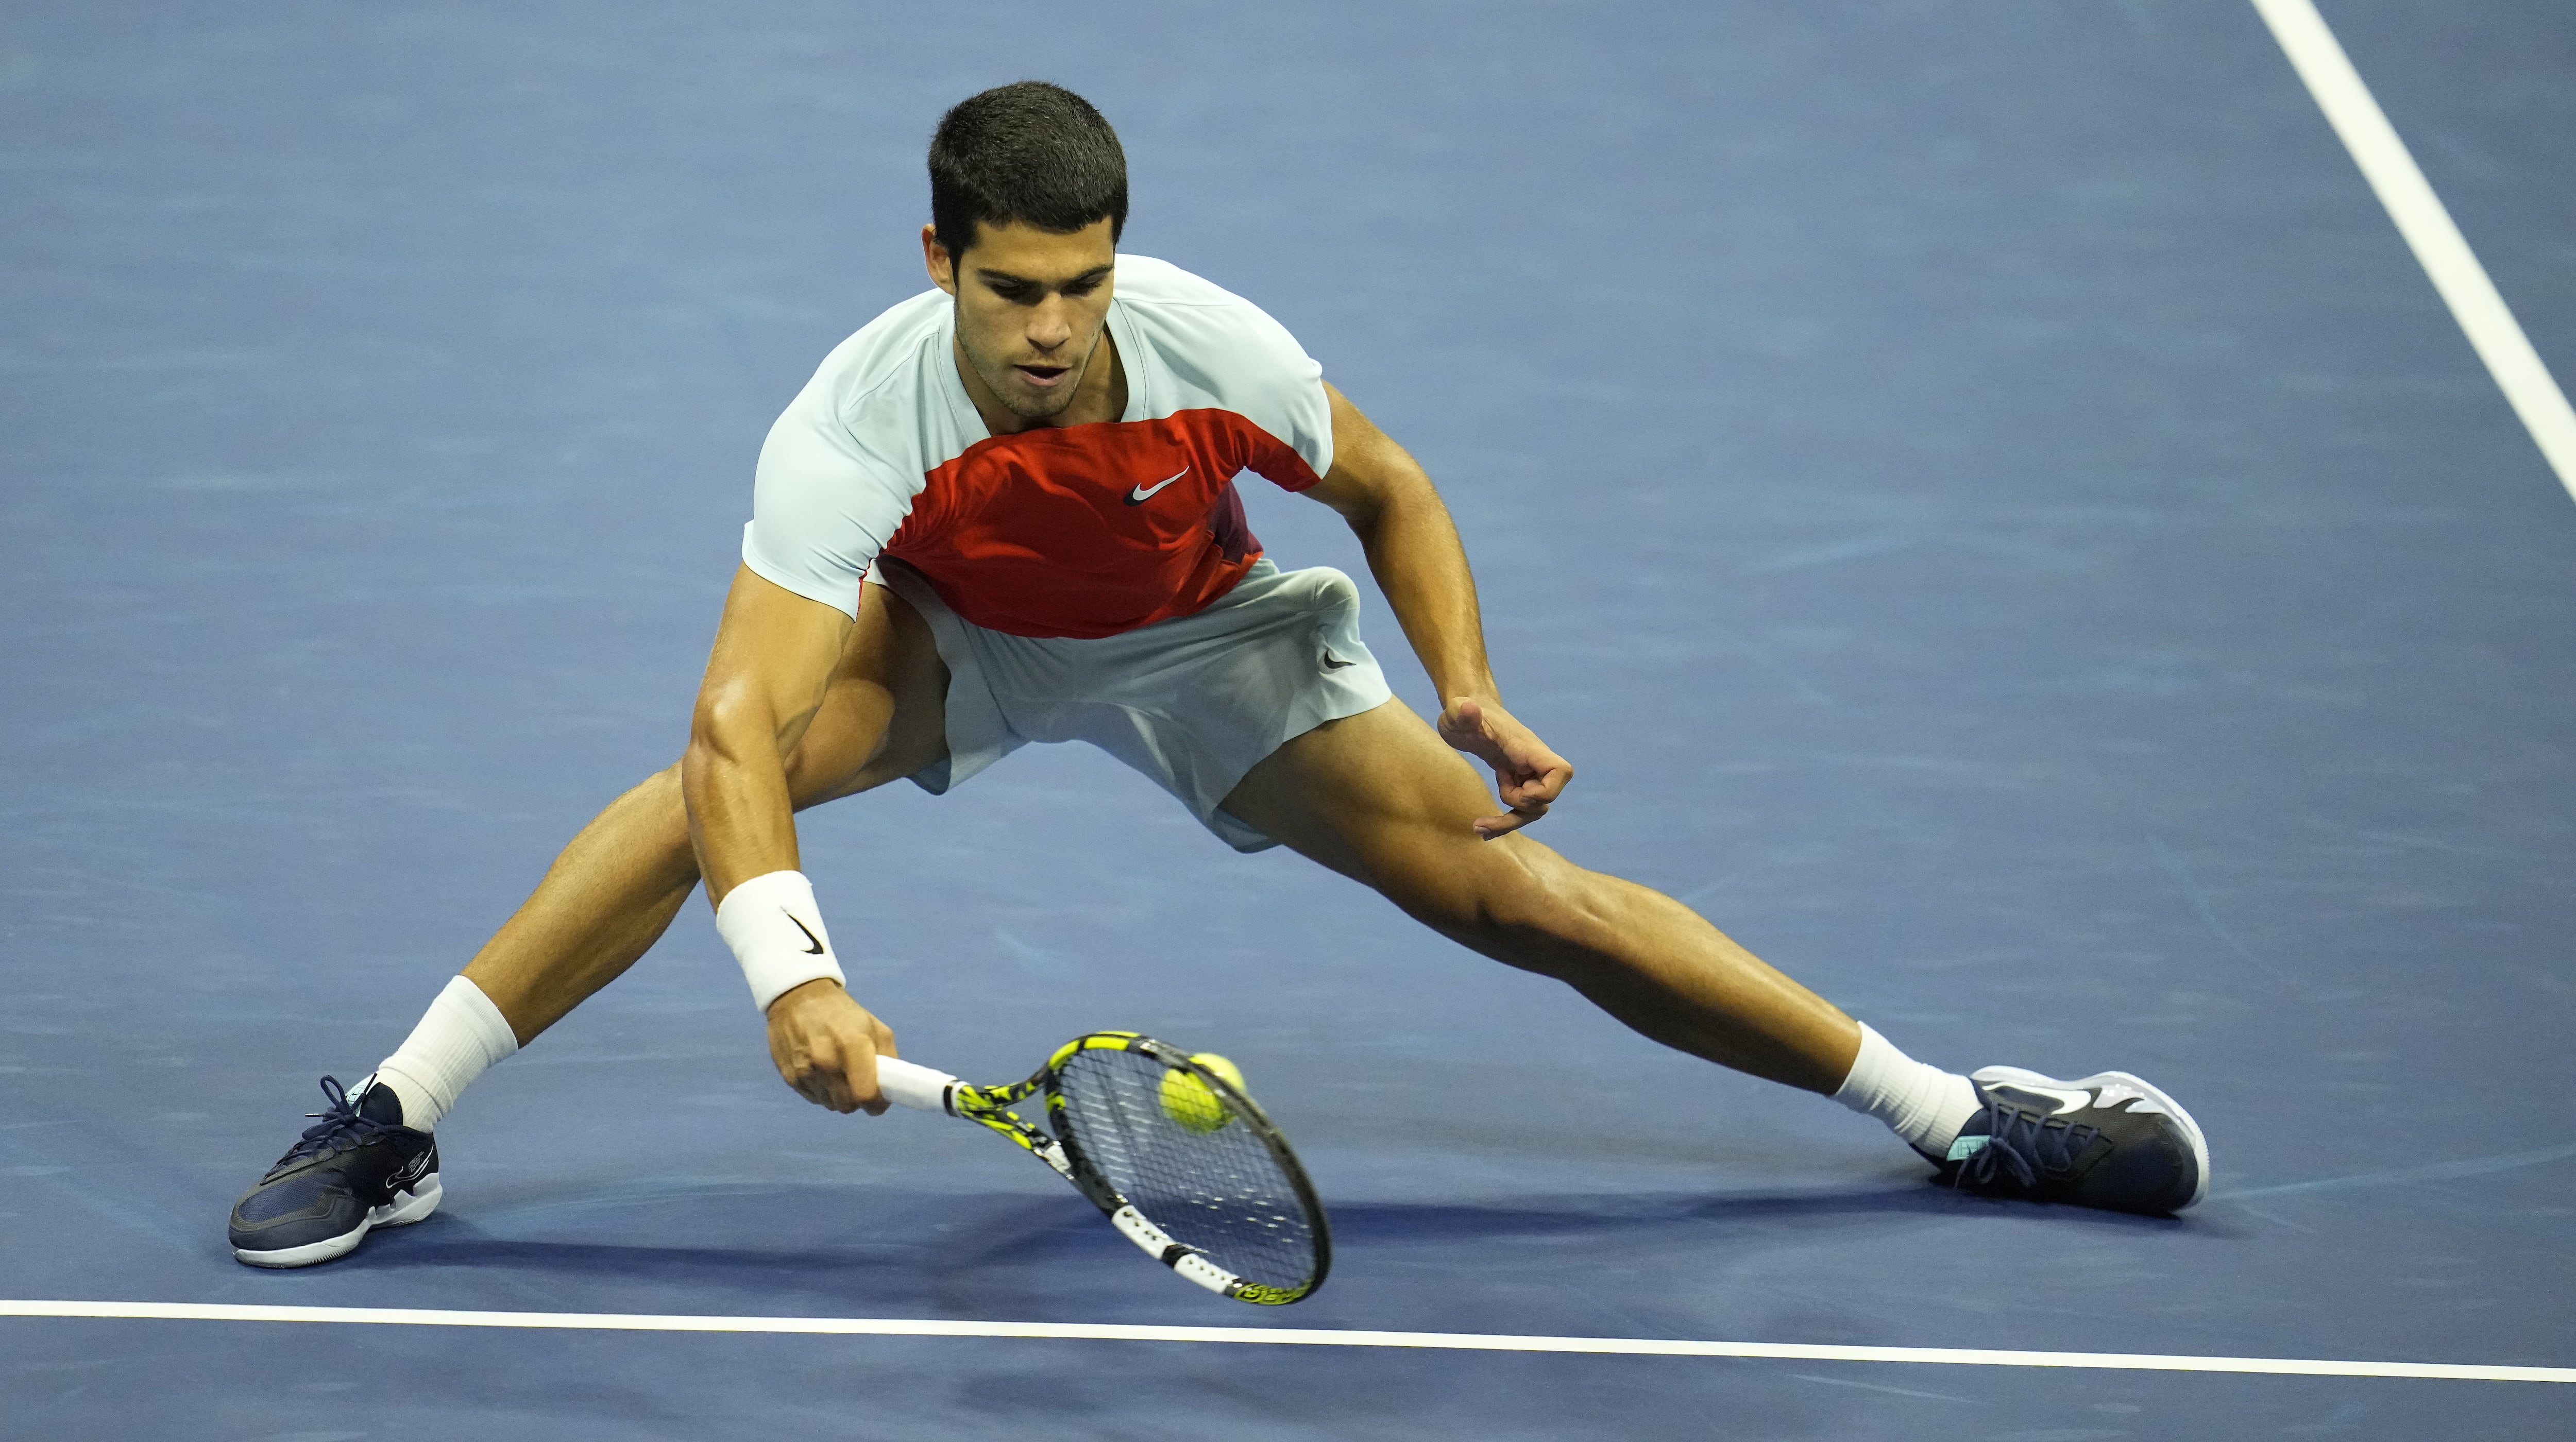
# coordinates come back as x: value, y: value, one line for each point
x: 1081, y: 531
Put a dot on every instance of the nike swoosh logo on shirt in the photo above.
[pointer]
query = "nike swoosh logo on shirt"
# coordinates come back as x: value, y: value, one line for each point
x: 1141, y: 494
x: 817, y: 948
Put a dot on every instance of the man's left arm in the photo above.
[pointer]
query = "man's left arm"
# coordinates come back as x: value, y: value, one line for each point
x: 1414, y: 552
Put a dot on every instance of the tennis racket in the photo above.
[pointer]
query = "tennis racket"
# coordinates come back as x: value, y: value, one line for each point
x: 1200, y: 1179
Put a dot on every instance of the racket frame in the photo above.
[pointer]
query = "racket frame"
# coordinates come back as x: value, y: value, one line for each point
x: 1061, y: 1149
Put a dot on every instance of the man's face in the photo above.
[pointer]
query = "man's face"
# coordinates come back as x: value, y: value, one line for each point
x: 1030, y: 307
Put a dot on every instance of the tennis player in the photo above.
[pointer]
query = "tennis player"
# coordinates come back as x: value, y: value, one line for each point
x: 1005, y: 511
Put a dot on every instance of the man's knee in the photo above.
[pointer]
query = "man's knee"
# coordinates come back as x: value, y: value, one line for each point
x: 825, y: 765
x: 885, y: 714
x: 825, y: 769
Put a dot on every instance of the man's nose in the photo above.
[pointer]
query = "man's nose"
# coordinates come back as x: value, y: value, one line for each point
x: 1051, y: 326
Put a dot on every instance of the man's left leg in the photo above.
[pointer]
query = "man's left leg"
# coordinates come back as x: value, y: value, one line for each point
x: 1381, y: 799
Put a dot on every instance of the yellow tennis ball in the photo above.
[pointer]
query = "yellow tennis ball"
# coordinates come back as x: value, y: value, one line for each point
x: 1193, y: 1103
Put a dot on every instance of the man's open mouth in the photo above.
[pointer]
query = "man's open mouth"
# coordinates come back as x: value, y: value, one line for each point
x: 1043, y: 376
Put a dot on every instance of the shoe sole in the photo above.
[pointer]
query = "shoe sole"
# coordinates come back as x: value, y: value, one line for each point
x: 2138, y: 1084
x: 405, y: 1209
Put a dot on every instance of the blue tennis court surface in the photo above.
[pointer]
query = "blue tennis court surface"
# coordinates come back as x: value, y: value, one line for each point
x: 1981, y: 492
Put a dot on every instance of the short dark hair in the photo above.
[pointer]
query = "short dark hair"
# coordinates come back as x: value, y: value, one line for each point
x: 1028, y: 152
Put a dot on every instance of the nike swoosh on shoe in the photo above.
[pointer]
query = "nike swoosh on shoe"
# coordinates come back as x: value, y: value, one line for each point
x: 2066, y: 1101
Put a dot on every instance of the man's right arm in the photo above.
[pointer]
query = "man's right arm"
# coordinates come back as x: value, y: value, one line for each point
x: 774, y: 656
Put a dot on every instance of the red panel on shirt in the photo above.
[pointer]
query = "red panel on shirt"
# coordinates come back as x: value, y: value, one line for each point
x: 1044, y: 533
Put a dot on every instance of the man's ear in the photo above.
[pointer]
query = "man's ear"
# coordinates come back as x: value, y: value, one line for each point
x: 934, y: 256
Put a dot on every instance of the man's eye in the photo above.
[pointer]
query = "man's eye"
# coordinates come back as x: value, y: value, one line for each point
x: 1082, y: 287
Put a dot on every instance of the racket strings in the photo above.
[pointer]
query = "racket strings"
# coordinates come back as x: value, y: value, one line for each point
x: 1222, y: 1191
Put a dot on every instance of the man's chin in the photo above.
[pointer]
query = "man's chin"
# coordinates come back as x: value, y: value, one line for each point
x: 1031, y: 404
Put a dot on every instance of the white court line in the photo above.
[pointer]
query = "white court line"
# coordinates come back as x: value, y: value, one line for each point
x: 2421, y: 218
x: 1279, y: 1336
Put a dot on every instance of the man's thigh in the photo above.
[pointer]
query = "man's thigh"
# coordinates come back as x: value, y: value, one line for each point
x: 885, y: 715
x: 1380, y: 798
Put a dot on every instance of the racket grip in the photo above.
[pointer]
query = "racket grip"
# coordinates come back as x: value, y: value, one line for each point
x: 921, y: 1088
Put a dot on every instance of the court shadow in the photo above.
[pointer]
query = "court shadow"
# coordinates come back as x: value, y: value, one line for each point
x: 1729, y: 1216
x: 877, y: 1246
x: 802, y: 1250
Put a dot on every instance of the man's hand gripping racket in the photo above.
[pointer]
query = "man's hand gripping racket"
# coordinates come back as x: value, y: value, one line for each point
x: 1179, y: 1157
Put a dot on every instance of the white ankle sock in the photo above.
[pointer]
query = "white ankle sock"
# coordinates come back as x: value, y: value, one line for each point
x: 1918, y: 1101
x: 460, y: 1036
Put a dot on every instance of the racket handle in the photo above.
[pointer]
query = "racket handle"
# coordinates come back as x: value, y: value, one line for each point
x: 924, y: 1089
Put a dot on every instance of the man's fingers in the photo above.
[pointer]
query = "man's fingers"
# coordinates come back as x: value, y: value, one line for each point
x: 839, y: 1092
x: 1524, y: 810
x: 866, y: 1094
x: 1532, y: 787
x: 1490, y: 827
x: 1528, y: 776
x: 846, y: 1079
x: 1537, y: 788
x: 881, y: 1039
x: 821, y: 1086
x: 826, y: 1047
x: 832, y: 1077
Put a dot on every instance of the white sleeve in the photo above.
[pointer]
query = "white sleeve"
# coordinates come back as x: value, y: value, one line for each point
x: 1283, y: 393
x: 1218, y: 349
x: 1231, y: 353
x: 822, y: 505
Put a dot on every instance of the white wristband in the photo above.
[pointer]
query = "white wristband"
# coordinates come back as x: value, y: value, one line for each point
x: 777, y: 934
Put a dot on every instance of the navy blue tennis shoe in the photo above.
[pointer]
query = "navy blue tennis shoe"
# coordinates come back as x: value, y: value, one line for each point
x: 2109, y: 1140
x: 358, y: 1169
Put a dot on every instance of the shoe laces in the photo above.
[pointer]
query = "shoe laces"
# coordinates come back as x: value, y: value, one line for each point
x: 341, y: 1128
x: 2024, y: 1145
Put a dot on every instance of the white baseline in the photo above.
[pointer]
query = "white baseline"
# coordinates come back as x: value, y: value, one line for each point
x: 1277, y: 1337
x: 2421, y: 219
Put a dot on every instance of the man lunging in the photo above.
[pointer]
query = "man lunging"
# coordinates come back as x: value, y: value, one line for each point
x: 1005, y: 512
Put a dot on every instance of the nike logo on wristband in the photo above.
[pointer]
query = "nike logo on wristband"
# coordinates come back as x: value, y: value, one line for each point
x: 1139, y: 495
x: 814, y: 950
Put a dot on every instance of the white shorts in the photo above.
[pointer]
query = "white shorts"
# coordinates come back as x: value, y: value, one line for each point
x: 1193, y: 702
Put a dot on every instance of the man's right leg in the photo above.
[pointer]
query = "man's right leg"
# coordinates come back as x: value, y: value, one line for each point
x: 606, y: 899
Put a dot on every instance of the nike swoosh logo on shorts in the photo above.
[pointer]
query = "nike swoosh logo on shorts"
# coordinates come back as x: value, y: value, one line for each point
x: 1141, y: 494
x: 817, y: 948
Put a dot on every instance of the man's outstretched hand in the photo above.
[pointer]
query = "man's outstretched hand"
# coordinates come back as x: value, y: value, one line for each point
x: 1528, y: 774
x: 826, y: 1046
